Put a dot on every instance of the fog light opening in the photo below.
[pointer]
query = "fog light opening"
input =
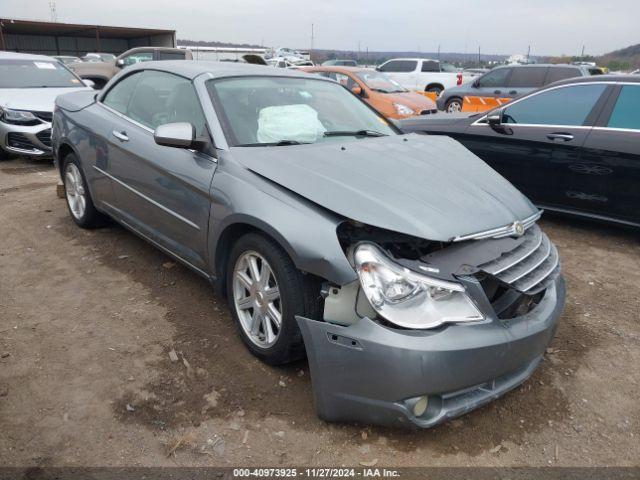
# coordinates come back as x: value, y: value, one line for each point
x: 420, y: 406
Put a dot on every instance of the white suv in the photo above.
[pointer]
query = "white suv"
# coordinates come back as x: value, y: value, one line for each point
x: 424, y: 74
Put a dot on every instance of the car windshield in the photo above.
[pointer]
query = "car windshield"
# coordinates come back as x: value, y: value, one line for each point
x: 380, y: 82
x: 36, y: 74
x: 287, y: 110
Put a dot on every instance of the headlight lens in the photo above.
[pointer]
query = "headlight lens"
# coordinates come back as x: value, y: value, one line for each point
x: 409, y: 299
x: 402, y: 109
x: 17, y: 116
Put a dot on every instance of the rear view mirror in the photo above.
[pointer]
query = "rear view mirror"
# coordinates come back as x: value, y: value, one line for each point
x: 88, y: 83
x: 357, y: 89
x: 120, y: 63
x: 476, y: 83
x: 177, y: 135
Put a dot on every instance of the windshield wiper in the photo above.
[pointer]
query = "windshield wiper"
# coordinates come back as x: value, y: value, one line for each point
x: 274, y: 144
x: 354, y: 133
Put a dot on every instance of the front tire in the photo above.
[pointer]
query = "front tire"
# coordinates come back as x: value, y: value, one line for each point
x: 79, y: 201
x: 434, y: 89
x: 265, y: 292
x: 454, y: 105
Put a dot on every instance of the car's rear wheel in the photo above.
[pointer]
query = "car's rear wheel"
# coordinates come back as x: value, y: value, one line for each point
x: 434, y: 89
x: 266, y: 291
x: 454, y: 105
x: 78, y: 197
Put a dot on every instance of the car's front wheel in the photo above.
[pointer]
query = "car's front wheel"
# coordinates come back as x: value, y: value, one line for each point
x: 454, y: 105
x: 266, y: 291
x: 79, y: 200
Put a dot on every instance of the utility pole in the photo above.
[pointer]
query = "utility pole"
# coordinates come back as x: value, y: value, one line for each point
x: 478, y: 56
x: 438, y: 52
x: 358, y: 51
x: 528, y: 53
x: 311, y: 51
x: 582, y: 55
x: 52, y: 9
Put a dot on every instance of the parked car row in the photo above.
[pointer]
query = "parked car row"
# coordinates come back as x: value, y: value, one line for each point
x: 511, y: 81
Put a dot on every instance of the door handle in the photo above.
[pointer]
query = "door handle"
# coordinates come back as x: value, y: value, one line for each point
x: 122, y: 136
x: 497, y: 92
x: 513, y: 92
x: 567, y: 137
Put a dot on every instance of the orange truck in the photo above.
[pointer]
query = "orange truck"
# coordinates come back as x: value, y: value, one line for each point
x: 378, y: 90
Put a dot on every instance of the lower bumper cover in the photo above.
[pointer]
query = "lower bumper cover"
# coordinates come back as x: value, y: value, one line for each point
x: 369, y: 373
x: 26, y: 140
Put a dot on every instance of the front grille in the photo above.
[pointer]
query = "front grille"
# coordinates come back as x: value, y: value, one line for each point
x: 18, y: 140
x: 429, y: 112
x: 530, y: 267
x: 44, y: 116
x: 45, y: 137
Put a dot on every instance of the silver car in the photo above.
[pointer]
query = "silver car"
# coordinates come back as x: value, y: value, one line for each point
x: 414, y: 276
x: 29, y: 85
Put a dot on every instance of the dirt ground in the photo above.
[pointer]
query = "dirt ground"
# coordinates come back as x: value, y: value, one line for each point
x: 88, y: 318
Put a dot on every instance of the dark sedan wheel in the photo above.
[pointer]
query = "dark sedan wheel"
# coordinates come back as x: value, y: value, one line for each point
x: 79, y: 199
x: 454, y: 105
x: 266, y: 291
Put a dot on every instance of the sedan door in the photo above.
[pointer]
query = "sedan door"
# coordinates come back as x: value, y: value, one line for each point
x: 608, y: 175
x: 540, y: 140
x: 162, y: 192
x: 493, y: 83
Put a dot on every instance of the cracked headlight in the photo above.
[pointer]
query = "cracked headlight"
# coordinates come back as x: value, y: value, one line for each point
x: 409, y: 299
x: 402, y: 109
x: 19, y: 117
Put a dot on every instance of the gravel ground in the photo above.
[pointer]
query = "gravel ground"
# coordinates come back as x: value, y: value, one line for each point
x: 91, y: 320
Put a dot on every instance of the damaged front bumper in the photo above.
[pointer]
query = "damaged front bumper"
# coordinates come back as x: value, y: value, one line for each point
x: 372, y: 373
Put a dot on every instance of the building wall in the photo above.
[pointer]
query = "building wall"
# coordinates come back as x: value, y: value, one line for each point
x: 59, y: 45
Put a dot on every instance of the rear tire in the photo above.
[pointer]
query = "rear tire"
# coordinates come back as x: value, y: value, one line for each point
x: 435, y: 89
x: 263, y: 285
x: 79, y: 201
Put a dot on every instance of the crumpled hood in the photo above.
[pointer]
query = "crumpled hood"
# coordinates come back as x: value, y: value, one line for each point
x: 33, y: 99
x: 426, y: 186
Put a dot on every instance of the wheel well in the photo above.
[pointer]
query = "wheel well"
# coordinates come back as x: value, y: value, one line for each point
x: 451, y: 99
x: 431, y: 85
x: 63, y: 151
x: 225, y: 242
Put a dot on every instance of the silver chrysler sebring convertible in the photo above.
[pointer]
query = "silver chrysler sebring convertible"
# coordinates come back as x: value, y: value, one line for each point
x: 414, y: 277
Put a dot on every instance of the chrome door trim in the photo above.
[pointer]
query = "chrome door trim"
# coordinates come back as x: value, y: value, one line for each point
x: 153, y: 202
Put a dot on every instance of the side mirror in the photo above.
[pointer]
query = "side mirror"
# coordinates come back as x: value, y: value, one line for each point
x: 357, y: 89
x: 120, y: 63
x: 476, y: 83
x: 494, y: 120
x: 88, y: 83
x: 177, y: 135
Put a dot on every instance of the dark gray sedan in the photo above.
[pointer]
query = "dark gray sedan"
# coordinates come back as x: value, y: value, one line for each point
x: 415, y: 277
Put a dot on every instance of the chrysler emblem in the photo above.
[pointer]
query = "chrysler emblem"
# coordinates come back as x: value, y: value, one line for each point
x: 518, y: 228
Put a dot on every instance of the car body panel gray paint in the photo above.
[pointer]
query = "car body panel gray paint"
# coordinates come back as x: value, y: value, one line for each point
x: 305, y: 230
x: 429, y: 187
x: 299, y: 195
x: 392, y: 365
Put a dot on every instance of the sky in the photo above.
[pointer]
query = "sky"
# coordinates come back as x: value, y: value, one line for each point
x: 551, y: 27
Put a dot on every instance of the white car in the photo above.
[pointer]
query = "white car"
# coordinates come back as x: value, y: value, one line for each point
x: 29, y: 85
x: 424, y: 74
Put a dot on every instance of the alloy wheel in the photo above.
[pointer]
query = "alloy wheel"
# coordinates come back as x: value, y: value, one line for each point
x: 257, y: 299
x: 74, y: 187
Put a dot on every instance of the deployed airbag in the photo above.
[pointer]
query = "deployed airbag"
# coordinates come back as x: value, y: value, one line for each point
x: 289, y: 122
